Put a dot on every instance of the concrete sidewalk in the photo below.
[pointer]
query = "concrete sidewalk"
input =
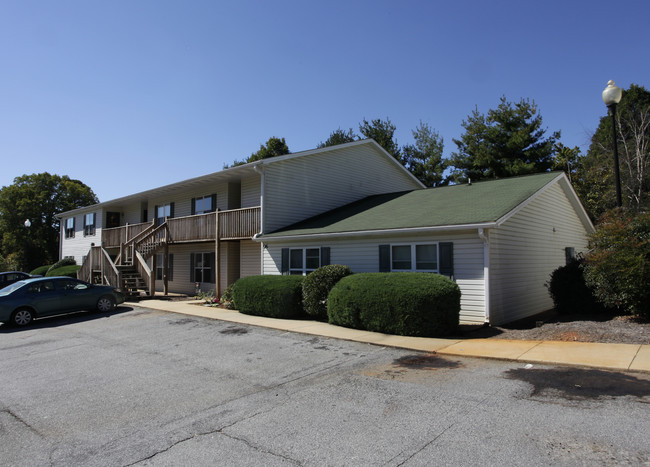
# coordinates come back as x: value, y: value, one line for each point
x: 625, y: 357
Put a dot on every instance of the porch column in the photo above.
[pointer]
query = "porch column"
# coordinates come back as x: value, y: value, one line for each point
x: 217, y: 259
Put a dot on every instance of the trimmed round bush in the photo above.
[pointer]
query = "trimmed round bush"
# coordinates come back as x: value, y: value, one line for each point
x: 569, y: 291
x: 402, y: 303
x: 60, y: 264
x: 272, y: 296
x: 70, y: 271
x: 317, y: 286
x: 40, y: 271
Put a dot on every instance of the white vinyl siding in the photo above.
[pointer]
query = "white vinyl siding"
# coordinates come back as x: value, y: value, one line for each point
x: 362, y: 255
x: 295, y: 189
x: 250, y: 192
x: 250, y: 259
x: 78, y: 246
x: 526, y: 249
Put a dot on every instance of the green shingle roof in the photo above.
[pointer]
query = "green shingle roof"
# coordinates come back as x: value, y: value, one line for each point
x: 455, y: 205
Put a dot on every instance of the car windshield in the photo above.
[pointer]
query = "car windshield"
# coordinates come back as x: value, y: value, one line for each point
x: 10, y: 288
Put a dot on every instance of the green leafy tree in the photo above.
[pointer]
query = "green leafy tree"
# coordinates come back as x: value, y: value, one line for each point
x: 567, y: 159
x: 383, y: 132
x: 506, y: 142
x: 595, y: 182
x: 37, y: 198
x: 339, y: 137
x: 273, y: 147
x: 424, y: 158
x: 618, y: 264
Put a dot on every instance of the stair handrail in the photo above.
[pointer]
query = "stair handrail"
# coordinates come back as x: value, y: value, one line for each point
x: 99, y: 258
x: 128, y: 245
x: 152, y: 235
x: 144, y: 270
x: 110, y: 273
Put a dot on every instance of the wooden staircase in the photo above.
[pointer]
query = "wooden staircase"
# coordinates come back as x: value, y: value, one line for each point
x: 133, y: 285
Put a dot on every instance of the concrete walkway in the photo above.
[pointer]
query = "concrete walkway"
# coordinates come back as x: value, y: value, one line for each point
x: 625, y: 357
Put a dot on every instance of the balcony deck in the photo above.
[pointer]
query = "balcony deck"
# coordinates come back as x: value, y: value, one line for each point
x: 234, y: 224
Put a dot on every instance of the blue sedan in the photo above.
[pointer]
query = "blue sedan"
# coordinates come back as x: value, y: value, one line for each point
x: 23, y: 301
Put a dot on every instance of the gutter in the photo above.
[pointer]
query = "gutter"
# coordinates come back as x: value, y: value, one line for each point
x: 372, y: 233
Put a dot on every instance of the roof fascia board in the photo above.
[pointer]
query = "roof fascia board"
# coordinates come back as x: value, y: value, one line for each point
x: 372, y: 233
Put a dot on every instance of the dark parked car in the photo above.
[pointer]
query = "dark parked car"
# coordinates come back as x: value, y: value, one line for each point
x: 8, y: 278
x: 25, y: 300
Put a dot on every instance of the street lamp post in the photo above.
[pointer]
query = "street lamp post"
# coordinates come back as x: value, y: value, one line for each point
x: 612, y: 96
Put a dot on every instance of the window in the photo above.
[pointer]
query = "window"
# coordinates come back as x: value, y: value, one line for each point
x: 204, y: 204
x: 302, y: 261
x: 160, y: 267
x: 89, y: 224
x: 163, y: 212
x: 422, y: 257
x: 202, y: 266
x: 69, y: 227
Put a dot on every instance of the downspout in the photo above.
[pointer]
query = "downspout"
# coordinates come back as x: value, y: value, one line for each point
x: 259, y: 168
x: 483, y: 235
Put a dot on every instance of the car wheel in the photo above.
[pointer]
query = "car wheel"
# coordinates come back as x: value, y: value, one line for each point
x: 105, y: 303
x: 22, y: 317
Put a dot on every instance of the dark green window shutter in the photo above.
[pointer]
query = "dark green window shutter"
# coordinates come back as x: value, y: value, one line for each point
x: 569, y: 254
x: 171, y: 209
x: 384, y: 258
x: 213, y: 269
x: 192, y: 277
x: 284, y: 267
x: 214, y: 203
x: 193, y: 206
x: 446, y: 262
x: 324, y: 256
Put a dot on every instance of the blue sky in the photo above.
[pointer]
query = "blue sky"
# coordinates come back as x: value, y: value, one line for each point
x: 130, y: 95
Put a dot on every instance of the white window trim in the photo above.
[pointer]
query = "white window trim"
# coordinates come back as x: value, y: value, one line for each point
x: 413, y: 267
x: 303, y: 270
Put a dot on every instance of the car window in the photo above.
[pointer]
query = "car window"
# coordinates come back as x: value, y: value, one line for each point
x: 72, y: 284
x: 40, y: 287
x: 10, y: 288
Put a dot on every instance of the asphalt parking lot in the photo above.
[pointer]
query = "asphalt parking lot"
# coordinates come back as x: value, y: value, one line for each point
x: 141, y: 387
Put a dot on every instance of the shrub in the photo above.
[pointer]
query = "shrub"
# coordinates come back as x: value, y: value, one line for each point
x: 317, y: 286
x: 227, y: 299
x: 70, y: 271
x: 569, y: 291
x: 273, y: 296
x: 40, y: 271
x: 60, y: 264
x: 403, y: 303
x: 618, y: 265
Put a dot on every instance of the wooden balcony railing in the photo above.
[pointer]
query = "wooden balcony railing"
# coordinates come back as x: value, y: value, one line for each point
x: 237, y: 224
x: 192, y: 228
x: 234, y: 224
x: 115, y: 236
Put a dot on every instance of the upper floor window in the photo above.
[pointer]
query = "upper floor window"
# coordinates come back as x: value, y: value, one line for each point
x: 89, y: 224
x: 69, y: 227
x: 204, y: 204
x: 163, y: 212
x: 414, y: 257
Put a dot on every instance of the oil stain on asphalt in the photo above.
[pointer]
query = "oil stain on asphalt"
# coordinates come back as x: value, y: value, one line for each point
x: 580, y: 384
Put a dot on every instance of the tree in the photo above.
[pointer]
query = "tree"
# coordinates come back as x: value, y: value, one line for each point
x: 567, y: 159
x: 596, y: 183
x: 383, y: 133
x: 339, y: 137
x: 617, y: 266
x: 424, y: 158
x: 273, y: 147
x: 39, y: 198
x: 508, y: 141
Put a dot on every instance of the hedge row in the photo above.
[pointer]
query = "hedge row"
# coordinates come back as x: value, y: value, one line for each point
x: 412, y: 304
x: 402, y: 303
